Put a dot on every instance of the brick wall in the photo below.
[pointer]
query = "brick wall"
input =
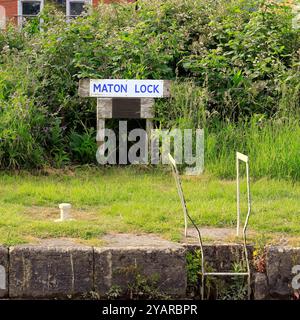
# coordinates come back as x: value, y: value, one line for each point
x: 11, y: 7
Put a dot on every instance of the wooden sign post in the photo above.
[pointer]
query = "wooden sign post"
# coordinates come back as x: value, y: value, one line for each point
x: 124, y: 99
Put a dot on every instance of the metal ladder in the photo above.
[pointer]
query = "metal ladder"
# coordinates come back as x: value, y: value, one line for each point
x: 239, y: 157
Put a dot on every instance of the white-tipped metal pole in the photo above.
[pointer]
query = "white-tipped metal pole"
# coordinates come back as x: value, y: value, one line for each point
x: 238, y: 196
x: 244, y: 158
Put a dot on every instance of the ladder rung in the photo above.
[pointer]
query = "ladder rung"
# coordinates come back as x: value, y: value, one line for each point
x: 226, y: 273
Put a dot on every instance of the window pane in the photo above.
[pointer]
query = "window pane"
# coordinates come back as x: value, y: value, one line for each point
x: 59, y: 4
x: 76, y: 8
x: 31, y: 8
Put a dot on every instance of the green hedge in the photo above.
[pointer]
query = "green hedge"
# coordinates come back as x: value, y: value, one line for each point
x: 230, y: 59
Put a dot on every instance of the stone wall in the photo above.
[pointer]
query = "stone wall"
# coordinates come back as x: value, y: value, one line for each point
x: 49, y: 272
x: 43, y: 272
x: 276, y: 281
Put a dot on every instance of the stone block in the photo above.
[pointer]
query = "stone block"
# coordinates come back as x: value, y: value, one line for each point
x: 120, y: 267
x: 261, y: 288
x: 46, y: 272
x: 279, y: 264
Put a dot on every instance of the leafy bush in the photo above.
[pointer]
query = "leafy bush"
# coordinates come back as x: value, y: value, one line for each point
x: 19, y: 135
x: 83, y: 146
x: 11, y: 39
x: 244, y: 58
x: 231, y: 59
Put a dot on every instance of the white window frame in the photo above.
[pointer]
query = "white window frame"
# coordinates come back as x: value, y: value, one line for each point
x: 68, y: 7
x: 20, y: 9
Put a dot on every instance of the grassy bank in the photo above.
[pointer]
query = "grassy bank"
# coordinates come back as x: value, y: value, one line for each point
x: 272, y: 145
x: 134, y: 199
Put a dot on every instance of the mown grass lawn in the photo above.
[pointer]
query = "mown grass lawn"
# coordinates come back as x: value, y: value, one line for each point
x: 137, y: 200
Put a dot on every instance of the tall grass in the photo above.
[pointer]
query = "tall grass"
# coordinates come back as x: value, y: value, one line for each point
x: 272, y: 145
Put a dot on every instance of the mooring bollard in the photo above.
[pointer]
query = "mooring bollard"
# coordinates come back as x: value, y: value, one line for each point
x: 65, y: 212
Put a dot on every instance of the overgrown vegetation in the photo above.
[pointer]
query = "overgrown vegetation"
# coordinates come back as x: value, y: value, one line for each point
x: 235, y: 65
x: 139, y: 286
x: 219, y: 288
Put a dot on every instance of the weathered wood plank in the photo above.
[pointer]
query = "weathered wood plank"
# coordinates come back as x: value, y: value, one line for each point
x: 147, y: 108
x: 167, y: 88
x: 84, y: 88
x: 126, y: 108
x: 104, y: 108
x: 100, y: 130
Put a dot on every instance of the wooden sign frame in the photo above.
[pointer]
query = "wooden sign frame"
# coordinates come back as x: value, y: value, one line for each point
x: 124, y: 107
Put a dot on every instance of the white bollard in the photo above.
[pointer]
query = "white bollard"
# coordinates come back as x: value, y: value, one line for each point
x: 65, y: 212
